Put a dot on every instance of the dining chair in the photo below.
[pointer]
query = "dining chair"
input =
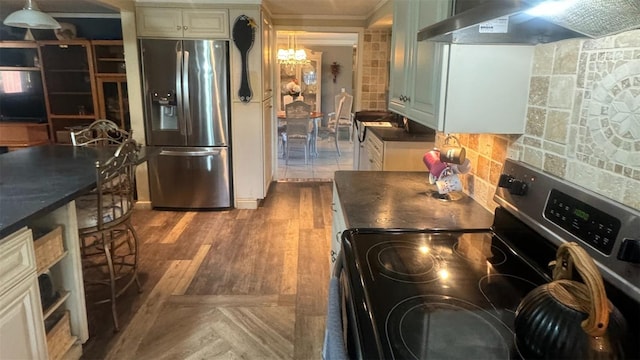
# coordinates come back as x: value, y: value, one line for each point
x: 298, y: 128
x: 331, y: 130
x: 108, y: 241
x: 101, y: 132
x: 343, y: 116
x: 286, y: 100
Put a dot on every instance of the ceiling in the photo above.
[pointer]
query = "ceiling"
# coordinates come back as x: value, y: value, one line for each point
x: 60, y: 6
x: 282, y: 9
x: 338, y: 9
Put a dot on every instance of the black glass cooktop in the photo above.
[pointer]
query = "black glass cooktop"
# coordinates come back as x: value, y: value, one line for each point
x: 445, y: 295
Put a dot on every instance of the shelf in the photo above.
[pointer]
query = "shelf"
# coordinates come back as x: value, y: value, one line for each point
x: 67, y: 71
x: 53, y: 262
x: 17, y: 44
x: 19, y: 68
x: 111, y: 59
x: 72, y: 117
x: 64, y: 295
x: 70, y: 93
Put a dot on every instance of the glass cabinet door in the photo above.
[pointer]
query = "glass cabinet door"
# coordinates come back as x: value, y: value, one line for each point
x: 114, y: 101
x: 309, y: 78
x: 68, y: 80
x: 311, y: 83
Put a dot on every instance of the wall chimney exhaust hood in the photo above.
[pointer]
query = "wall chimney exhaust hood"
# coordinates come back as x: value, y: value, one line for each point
x: 533, y: 21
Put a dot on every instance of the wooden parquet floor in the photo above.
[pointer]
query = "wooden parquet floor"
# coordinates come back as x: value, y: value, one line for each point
x: 237, y: 284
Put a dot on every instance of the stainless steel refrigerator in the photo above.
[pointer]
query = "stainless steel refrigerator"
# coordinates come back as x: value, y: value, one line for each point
x: 187, y: 111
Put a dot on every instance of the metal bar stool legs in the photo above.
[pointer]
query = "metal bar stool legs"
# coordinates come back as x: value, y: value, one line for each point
x: 110, y: 258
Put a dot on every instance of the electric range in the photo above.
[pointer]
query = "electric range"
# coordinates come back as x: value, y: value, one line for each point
x: 421, y: 294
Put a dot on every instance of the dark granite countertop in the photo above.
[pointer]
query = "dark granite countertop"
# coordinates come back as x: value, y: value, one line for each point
x: 396, y: 199
x: 399, y: 134
x: 37, y: 180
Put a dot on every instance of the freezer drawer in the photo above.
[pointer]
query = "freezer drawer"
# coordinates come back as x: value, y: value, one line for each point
x: 190, y: 178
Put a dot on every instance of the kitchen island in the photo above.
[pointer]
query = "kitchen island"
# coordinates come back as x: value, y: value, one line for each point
x: 38, y: 186
x: 399, y: 200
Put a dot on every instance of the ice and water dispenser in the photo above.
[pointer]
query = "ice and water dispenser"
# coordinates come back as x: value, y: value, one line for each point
x: 165, y: 110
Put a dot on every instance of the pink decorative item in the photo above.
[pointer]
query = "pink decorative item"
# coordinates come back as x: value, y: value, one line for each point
x: 432, y: 160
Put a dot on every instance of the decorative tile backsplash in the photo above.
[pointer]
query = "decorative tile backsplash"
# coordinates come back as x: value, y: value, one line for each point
x: 583, y: 121
x: 375, y: 69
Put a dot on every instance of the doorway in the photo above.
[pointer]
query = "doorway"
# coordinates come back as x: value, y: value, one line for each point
x: 331, y: 69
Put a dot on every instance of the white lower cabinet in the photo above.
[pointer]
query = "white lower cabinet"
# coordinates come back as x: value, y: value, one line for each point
x: 22, y: 319
x: 379, y: 155
x: 21, y: 324
x: 338, y: 225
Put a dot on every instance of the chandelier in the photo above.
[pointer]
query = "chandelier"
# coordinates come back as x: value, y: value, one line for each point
x: 292, y: 56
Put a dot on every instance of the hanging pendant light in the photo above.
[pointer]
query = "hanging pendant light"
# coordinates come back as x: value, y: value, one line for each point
x: 31, y: 17
x: 292, y: 56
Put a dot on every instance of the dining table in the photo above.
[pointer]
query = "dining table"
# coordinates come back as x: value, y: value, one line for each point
x: 316, y: 116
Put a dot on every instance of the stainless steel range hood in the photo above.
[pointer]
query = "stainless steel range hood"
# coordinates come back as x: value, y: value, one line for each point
x: 507, y: 21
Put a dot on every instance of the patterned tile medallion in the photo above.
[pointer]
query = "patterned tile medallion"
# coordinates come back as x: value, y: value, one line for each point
x: 613, y: 117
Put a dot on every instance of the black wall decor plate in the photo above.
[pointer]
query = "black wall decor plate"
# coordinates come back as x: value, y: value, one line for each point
x: 244, y: 32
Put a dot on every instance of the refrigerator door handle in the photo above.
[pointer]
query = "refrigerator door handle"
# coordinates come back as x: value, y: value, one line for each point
x: 179, y: 92
x: 190, y: 153
x: 185, y: 90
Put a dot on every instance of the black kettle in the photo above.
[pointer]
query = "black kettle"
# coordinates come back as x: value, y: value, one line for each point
x: 569, y: 319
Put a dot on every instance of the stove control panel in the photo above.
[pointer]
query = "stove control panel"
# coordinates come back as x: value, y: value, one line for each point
x: 563, y: 211
x: 591, y: 225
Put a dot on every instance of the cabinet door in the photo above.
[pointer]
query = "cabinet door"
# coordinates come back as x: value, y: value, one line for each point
x: 113, y: 99
x: 159, y: 22
x: 267, y: 57
x: 400, y: 55
x: 21, y: 323
x: 68, y: 73
x: 375, y: 152
x: 427, y: 65
x: 267, y: 145
x: 17, y: 258
x: 310, y: 80
x: 338, y: 225
x: 206, y: 24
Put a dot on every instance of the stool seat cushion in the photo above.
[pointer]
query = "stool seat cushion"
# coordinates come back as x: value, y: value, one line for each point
x: 87, y: 210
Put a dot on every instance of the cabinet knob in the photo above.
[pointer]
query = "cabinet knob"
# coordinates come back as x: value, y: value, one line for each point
x: 178, y: 27
x: 406, y: 98
x: 185, y: 27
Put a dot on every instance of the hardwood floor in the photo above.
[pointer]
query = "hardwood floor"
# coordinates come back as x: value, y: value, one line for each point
x: 237, y: 284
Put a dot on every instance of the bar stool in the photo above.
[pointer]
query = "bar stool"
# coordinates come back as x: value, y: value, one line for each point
x: 101, y: 132
x: 109, y: 243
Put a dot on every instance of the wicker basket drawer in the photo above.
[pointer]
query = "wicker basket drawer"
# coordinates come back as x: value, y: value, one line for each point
x: 49, y: 249
x: 59, y: 338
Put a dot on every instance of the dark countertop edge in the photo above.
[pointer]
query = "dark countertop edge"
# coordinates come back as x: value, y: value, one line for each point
x: 48, y: 208
x: 398, y: 134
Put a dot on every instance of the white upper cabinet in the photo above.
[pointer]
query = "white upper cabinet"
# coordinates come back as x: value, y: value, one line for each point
x: 400, y: 55
x: 412, y: 92
x: 455, y: 88
x: 485, y: 88
x: 182, y: 23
